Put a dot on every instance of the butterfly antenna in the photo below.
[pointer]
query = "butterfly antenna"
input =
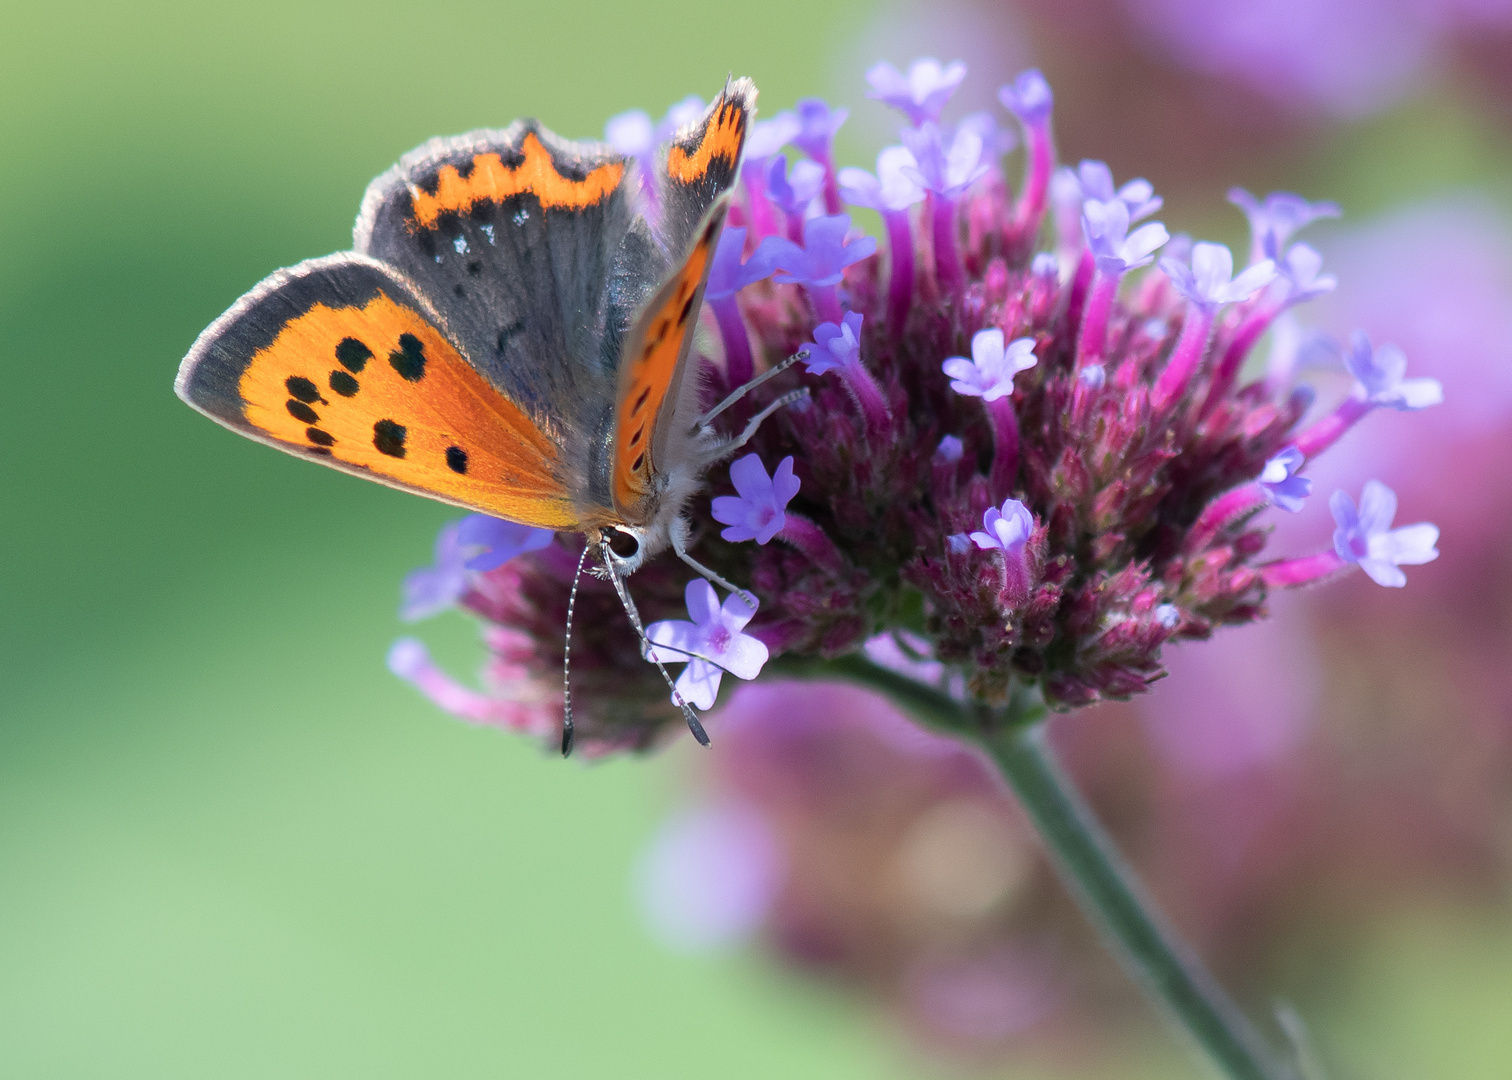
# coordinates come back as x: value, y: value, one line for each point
x: 567, y: 659
x: 648, y: 652
x: 742, y: 391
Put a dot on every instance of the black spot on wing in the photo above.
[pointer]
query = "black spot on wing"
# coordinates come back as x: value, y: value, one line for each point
x: 343, y: 384
x: 320, y: 438
x: 687, y: 309
x: 388, y: 438
x: 302, y: 412
x: 456, y: 459
x: 353, y: 354
x: 409, y: 359
x: 302, y: 389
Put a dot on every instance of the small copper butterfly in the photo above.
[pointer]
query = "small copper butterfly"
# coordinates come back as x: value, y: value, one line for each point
x: 509, y: 334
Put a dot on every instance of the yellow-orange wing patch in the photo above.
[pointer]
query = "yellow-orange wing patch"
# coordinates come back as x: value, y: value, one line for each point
x: 655, y: 353
x: 489, y: 179
x: 336, y: 360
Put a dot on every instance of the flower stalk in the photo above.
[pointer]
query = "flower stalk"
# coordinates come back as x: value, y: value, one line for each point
x: 1104, y: 885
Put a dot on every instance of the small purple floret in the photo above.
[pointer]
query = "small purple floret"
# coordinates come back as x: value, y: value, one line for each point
x: 711, y: 644
x: 476, y: 543
x: 835, y: 345
x: 894, y: 186
x: 1299, y: 271
x: 728, y: 274
x: 824, y: 255
x: 1273, y: 221
x: 1105, y: 224
x: 1096, y: 181
x: 1028, y: 97
x: 793, y: 190
x: 1006, y: 529
x: 1380, y: 372
x: 1209, y: 281
x: 1280, y: 480
x: 757, y: 512
x: 990, y: 371
x: 922, y: 93
x: 1365, y: 536
x: 944, y: 170
x: 817, y: 125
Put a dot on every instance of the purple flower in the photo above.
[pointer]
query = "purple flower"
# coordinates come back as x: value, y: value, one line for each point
x: 757, y: 512
x: 824, y: 255
x: 769, y: 136
x: 710, y: 877
x: 1006, y: 530
x: 631, y: 133
x: 950, y: 450
x: 1366, y: 536
x: 1380, y: 372
x: 793, y: 191
x: 990, y: 371
x: 1106, y: 227
x: 495, y: 542
x: 728, y: 275
x: 477, y: 542
x: 892, y: 188
x: 1273, y: 221
x: 1299, y: 274
x: 1092, y: 376
x: 818, y: 124
x: 997, y: 140
x: 946, y: 171
x: 1096, y: 181
x: 920, y: 94
x: 834, y: 345
x: 1028, y: 97
x: 1209, y: 281
x: 710, y: 645
x: 1280, y: 480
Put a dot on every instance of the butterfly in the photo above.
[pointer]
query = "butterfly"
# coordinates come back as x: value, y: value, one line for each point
x: 510, y: 333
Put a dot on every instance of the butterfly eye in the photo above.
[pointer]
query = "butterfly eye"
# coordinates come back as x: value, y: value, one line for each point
x: 622, y: 543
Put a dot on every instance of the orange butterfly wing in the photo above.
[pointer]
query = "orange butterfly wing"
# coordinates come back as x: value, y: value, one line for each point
x: 654, y: 356
x: 338, y: 360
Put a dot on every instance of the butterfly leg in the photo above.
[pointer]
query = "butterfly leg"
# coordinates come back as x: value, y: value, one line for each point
x: 741, y: 391
x: 679, y: 535
x: 648, y: 651
x: 726, y: 449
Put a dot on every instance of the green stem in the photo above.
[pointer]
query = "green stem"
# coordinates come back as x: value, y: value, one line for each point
x: 1097, y: 875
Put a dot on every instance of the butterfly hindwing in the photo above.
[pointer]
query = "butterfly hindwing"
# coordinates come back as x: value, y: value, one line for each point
x: 533, y: 252
x: 339, y: 360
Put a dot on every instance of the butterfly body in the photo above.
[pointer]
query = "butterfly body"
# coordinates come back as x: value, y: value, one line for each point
x: 510, y: 334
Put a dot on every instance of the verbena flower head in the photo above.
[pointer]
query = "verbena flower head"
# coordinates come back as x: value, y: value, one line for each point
x: 1122, y: 479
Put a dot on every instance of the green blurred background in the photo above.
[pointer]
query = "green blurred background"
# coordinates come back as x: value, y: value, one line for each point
x: 231, y: 844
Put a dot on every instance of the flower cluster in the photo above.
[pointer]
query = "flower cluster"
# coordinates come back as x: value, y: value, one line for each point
x: 1040, y: 466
